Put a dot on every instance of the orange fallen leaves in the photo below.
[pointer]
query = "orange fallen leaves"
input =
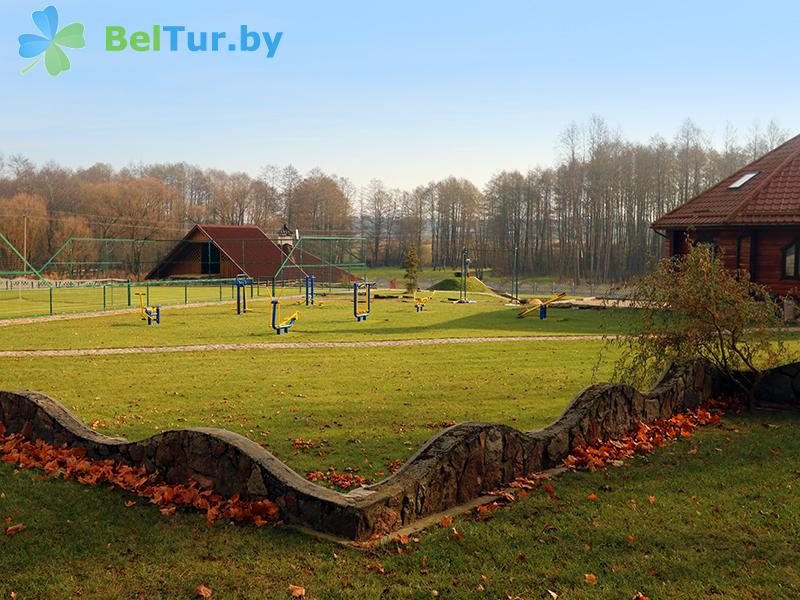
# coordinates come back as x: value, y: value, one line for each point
x: 550, y: 490
x: 297, y: 591
x: 73, y: 463
x: 645, y: 438
x: 203, y: 591
x: 14, y: 529
x: 447, y: 521
x: 652, y: 499
x: 590, y: 578
x: 591, y: 497
x: 343, y: 481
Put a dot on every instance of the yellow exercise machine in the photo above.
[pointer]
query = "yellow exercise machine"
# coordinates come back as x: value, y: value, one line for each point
x: 420, y: 302
x: 540, y: 305
x: 148, y: 313
x: 285, y: 325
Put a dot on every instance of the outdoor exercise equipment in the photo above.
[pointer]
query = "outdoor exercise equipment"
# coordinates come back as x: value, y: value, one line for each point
x: 241, y: 281
x: 540, y: 305
x: 310, y: 290
x: 420, y: 302
x: 360, y: 313
x: 148, y: 313
x: 465, y: 263
x: 515, y: 275
x: 285, y: 325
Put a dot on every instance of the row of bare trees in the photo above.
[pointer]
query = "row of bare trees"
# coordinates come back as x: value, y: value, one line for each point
x: 585, y: 218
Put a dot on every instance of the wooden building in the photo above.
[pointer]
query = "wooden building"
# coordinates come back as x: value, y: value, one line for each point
x: 752, y: 218
x: 225, y: 251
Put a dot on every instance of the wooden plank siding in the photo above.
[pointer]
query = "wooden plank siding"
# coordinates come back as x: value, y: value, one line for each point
x: 758, y: 251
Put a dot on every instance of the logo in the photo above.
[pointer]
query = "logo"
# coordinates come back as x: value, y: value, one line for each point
x: 48, y: 45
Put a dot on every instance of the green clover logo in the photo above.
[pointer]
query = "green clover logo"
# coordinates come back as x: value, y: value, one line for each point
x: 33, y: 46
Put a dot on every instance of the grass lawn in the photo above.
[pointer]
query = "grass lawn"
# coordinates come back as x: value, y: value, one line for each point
x: 724, y: 524
x: 375, y: 405
x: 333, y: 321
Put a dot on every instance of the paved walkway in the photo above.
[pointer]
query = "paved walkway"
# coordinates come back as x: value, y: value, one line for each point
x: 295, y: 345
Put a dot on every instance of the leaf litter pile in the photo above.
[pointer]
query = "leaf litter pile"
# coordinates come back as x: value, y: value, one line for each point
x: 73, y: 463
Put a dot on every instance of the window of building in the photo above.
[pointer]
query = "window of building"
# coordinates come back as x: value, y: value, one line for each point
x: 790, y: 263
x: 742, y: 180
x: 209, y: 259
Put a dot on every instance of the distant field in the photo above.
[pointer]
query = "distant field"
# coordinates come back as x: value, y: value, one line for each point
x: 331, y: 321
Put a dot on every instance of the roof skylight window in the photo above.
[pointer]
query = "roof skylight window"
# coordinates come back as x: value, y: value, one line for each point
x: 742, y: 180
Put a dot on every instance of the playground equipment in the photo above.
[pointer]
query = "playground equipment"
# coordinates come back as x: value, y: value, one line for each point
x: 241, y: 281
x: 359, y: 313
x: 420, y: 302
x: 539, y: 305
x: 515, y: 276
x: 466, y: 261
x: 310, y: 290
x: 285, y: 325
x: 148, y: 313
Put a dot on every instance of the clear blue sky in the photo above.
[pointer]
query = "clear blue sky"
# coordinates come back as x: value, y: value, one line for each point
x: 403, y: 91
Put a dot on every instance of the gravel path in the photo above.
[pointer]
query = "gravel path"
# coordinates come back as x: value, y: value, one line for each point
x: 294, y: 345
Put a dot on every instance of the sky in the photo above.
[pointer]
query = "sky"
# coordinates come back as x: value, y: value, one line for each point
x: 407, y: 92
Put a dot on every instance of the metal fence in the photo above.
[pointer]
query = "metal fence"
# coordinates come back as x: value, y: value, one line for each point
x: 27, y: 298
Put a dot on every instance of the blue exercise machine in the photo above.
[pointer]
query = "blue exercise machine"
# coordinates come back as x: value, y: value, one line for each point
x: 360, y: 313
x: 310, y: 290
x: 285, y: 325
x: 149, y: 313
x: 242, y: 280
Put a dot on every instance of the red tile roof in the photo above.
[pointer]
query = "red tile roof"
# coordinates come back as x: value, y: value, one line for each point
x: 772, y: 197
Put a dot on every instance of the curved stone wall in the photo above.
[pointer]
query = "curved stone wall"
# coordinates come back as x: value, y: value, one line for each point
x: 455, y: 466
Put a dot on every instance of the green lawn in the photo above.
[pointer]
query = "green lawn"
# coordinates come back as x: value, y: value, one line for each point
x: 333, y: 321
x: 375, y: 405
x: 724, y: 524
x: 67, y: 300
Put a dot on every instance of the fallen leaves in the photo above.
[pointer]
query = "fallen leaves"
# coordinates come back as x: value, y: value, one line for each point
x: 73, y: 463
x: 441, y: 425
x: 203, y: 591
x: 297, y: 591
x: 590, y: 578
x: 343, y: 481
x: 447, y: 521
x: 592, y: 497
x: 14, y: 529
x: 645, y: 438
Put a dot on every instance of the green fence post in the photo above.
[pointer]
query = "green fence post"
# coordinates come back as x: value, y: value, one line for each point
x: 51, y: 301
x: 129, y: 293
x: 104, y: 297
x: 220, y: 292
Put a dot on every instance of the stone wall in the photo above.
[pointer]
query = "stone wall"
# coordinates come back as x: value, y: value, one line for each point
x: 455, y: 466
